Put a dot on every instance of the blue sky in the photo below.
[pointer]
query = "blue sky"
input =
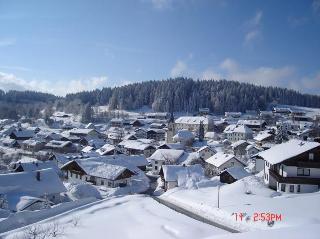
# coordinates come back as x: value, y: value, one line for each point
x: 67, y: 46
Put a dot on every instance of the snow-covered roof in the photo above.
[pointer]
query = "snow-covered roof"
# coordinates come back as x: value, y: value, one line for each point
x: 287, y: 150
x: 170, y: 155
x: 235, y: 128
x: 138, y: 144
x: 87, y: 149
x: 210, y: 135
x: 26, y: 201
x: 193, y: 120
x: 58, y: 144
x: 251, y: 122
x: 238, y: 143
x: 24, y: 133
x: 102, y: 170
x: 262, y: 136
x: 32, y: 164
x: 237, y: 172
x: 219, y: 159
x: 26, y: 182
x: 105, y: 149
x: 173, y: 172
x: 77, y: 131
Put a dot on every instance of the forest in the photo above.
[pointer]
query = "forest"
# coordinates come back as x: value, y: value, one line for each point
x: 179, y: 94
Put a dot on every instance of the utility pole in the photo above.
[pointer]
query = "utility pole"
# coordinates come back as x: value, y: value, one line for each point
x: 218, y: 196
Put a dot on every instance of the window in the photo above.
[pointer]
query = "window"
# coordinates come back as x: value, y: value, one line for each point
x: 303, y: 172
x: 109, y: 184
x: 102, y: 182
x: 232, y: 163
x: 156, y: 167
x: 283, y: 187
x: 76, y: 175
x: 298, y: 189
x: 291, y: 189
x: 311, y: 156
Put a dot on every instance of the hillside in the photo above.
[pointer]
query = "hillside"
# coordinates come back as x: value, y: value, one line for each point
x: 182, y: 94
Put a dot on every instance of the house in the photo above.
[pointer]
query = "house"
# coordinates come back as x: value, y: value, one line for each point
x: 264, y: 137
x: 8, y: 142
x: 156, y: 134
x: 232, y: 114
x: 137, y: 147
x: 136, y: 123
x: 239, y: 147
x: 254, y: 124
x: 61, y: 146
x: 293, y: 166
x: 251, y: 150
x: 192, y: 123
x: 172, y: 174
x: 108, y: 149
x: 33, y: 145
x: 22, y: 134
x: 98, y: 173
x: 157, y: 125
x: 235, y: 132
x: 165, y: 157
x: 116, y: 122
x: 185, y: 137
x: 84, y: 133
x: 26, y: 164
x: 43, y: 183
x: 230, y: 175
x: 221, y: 161
x: 206, y: 152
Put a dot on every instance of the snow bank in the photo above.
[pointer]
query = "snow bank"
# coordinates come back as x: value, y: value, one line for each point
x: 80, y: 190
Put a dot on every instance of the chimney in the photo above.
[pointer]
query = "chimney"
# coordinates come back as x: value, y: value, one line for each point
x: 38, y: 175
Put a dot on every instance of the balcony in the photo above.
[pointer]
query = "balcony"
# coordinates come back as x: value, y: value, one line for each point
x: 294, y: 180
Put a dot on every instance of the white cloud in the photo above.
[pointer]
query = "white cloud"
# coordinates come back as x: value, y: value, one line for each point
x: 179, y: 69
x: 253, y: 28
x: 12, y: 82
x: 7, y: 42
x: 256, y: 20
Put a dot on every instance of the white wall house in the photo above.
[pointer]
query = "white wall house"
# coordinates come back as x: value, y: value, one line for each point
x: 292, y: 167
x: 192, y: 123
x: 235, y: 132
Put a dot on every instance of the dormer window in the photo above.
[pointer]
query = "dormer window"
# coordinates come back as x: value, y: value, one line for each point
x: 311, y: 156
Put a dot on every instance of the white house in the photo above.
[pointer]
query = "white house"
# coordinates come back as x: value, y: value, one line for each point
x: 192, y: 123
x: 293, y: 166
x: 221, y: 161
x: 235, y: 132
x: 165, y: 157
x: 98, y: 173
x: 171, y: 175
x: 206, y: 152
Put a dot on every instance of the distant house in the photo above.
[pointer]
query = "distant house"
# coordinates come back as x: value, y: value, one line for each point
x: 192, y: 123
x: 98, y: 173
x: 206, y: 152
x: 22, y: 134
x: 251, y: 150
x: 210, y: 135
x: 165, y: 157
x: 43, y: 183
x: 230, y: 175
x: 170, y: 174
x: 293, y: 166
x: 264, y: 137
x: 221, y: 161
x: 237, y: 132
x: 158, y: 115
x: 108, y: 149
x: 239, y: 147
x: 61, y: 146
x: 156, y: 134
x: 137, y: 147
x: 84, y: 133
x: 184, y: 137
x: 232, y: 114
x: 8, y: 142
x: 136, y: 123
x: 31, y: 164
x: 253, y: 124
x: 32, y: 145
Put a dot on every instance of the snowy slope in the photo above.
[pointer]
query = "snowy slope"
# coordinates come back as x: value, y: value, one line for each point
x: 248, y: 195
x: 130, y: 217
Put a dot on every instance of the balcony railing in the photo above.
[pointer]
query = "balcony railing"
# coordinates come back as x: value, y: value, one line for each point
x: 294, y: 180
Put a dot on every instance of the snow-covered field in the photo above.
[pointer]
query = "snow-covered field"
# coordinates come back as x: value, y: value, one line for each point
x: 248, y: 196
x: 135, y: 216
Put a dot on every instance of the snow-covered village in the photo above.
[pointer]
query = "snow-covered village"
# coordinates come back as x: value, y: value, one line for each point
x: 159, y: 119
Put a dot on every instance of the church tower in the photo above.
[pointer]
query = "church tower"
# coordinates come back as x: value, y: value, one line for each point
x: 171, y: 130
